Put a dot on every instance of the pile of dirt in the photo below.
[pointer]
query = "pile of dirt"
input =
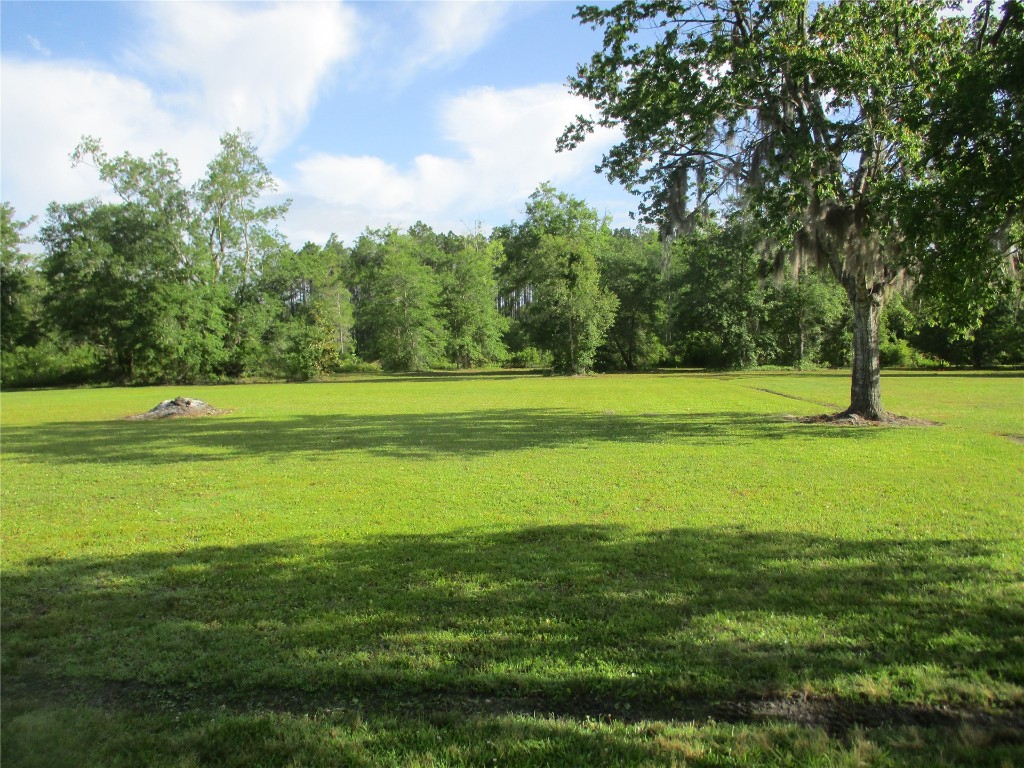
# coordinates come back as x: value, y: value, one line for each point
x: 179, y: 407
x: 854, y: 420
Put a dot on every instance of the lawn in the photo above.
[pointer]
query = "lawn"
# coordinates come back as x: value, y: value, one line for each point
x: 512, y: 569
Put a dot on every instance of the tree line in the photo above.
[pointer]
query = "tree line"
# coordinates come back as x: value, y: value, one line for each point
x: 189, y: 285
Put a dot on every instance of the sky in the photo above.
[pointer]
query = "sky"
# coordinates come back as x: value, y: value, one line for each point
x: 367, y: 113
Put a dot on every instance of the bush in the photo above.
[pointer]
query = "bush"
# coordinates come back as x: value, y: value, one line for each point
x: 49, y: 364
x: 897, y: 353
x: 529, y: 357
x: 355, y: 365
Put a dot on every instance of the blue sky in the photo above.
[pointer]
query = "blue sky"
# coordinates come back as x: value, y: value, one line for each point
x: 367, y: 113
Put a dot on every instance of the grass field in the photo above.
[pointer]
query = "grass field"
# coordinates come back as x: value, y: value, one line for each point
x: 515, y: 570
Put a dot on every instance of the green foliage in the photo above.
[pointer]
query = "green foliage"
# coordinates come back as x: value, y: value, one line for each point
x: 115, y: 281
x: 48, y: 363
x: 153, y: 184
x: 998, y: 339
x: 719, y: 298
x: 306, y: 346
x: 170, y: 284
x: 777, y: 96
x: 552, y: 282
x: 468, y: 303
x: 631, y: 270
x: 465, y: 268
x: 251, y: 319
x: 836, y: 349
x: 814, y: 113
x: 185, y: 285
x: 311, y: 332
x: 966, y: 217
x: 809, y: 320
x: 896, y: 328
x: 570, y: 312
x: 527, y: 356
x: 227, y: 208
x: 21, y: 285
x: 401, y: 303
x: 334, y: 298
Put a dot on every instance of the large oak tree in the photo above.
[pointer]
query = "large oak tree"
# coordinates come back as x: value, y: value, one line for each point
x: 813, y: 115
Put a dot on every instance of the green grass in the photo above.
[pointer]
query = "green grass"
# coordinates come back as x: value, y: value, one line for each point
x: 518, y: 570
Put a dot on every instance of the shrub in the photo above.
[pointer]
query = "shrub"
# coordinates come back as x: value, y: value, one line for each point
x: 49, y: 364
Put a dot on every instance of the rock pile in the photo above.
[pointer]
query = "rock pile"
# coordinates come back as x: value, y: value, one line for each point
x: 178, y: 407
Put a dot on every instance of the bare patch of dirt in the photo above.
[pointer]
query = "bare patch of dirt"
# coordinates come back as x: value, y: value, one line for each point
x: 179, y: 407
x: 845, y: 419
x: 1015, y: 438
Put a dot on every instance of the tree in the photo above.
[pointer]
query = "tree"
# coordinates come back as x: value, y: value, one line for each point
x: 468, y: 301
x: 967, y: 215
x: 335, y: 296
x: 307, y: 327
x: 115, y: 281
x: 804, y: 312
x: 152, y: 184
x: 631, y: 270
x: 21, y: 286
x: 551, y: 278
x: 807, y: 111
x: 719, y: 299
x: 998, y: 339
x: 570, y: 313
x: 228, y: 198
x: 399, y: 305
x: 192, y: 343
x: 464, y: 267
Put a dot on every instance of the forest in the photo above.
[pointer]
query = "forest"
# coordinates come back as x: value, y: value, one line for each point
x: 184, y: 285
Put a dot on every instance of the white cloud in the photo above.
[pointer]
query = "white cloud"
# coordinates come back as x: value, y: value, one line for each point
x: 451, y: 31
x: 199, y: 70
x: 40, y: 131
x: 504, y: 146
x: 257, y: 67
x: 510, y: 137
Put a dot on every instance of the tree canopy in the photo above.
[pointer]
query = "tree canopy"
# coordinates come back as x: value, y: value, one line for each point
x: 815, y: 117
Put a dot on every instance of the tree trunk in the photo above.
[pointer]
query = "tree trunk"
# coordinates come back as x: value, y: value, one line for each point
x: 866, y: 390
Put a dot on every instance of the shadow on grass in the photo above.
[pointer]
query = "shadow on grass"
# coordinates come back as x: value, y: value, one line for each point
x: 887, y: 373
x: 433, y: 435
x: 954, y: 373
x: 578, y: 620
x: 499, y: 374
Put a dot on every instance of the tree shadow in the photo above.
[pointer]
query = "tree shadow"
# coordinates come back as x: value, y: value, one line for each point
x: 412, y: 436
x: 580, y: 620
x: 887, y: 373
x: 954, y: 373
x: 497, y: 374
